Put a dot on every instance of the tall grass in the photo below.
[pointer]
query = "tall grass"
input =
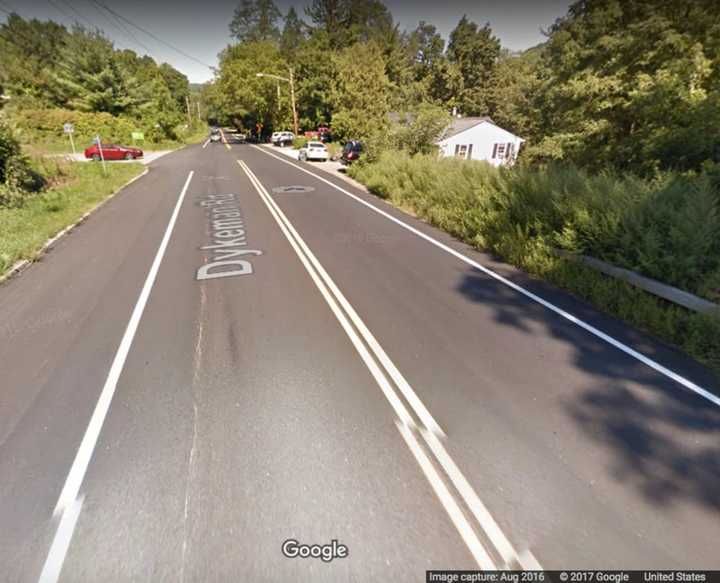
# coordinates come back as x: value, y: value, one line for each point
x: 667, y: 229
x: 74, y: 188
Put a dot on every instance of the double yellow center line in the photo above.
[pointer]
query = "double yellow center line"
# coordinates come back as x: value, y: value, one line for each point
x: 224, y: 139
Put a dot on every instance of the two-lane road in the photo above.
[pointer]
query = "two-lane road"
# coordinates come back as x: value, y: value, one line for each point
x: 239, y: 350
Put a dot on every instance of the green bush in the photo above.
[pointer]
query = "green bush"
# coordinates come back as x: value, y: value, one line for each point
x: 17, y: 178
x: 667, y: 228
x: 46, y: 126
x: 39, y: 124
x: 299, y: 142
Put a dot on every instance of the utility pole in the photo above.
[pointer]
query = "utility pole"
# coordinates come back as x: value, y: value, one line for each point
x: 198, y: 109
x: 292, y: 96
x: 291, y: 80
x: 187, y: 103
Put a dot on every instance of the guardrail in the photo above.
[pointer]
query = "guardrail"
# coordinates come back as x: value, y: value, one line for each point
x: 662, y: 290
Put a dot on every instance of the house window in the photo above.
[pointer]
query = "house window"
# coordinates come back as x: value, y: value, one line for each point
x: 499, y: 151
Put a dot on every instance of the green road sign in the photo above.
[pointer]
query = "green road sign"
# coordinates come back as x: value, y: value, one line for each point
x: 138, y: 136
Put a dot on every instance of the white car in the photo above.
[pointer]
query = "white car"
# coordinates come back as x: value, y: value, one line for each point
x: 282, y: 138
x: 215, y: 137
x: 313, y: 151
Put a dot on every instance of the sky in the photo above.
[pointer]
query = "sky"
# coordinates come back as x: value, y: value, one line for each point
x: 200, y: 28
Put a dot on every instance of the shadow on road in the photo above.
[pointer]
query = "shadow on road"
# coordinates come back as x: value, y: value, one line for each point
x: 663, y: 439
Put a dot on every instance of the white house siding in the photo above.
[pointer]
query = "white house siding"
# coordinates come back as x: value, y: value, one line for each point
x: 480, y: 142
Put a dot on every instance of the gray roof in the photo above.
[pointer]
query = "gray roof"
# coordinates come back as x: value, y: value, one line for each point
x: 460, y: 124
x: 457, y: 125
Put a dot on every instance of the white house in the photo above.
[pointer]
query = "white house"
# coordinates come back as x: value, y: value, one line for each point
x: 478, y: 138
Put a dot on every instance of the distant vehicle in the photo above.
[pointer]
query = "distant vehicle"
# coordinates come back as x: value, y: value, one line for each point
x: 274, y: 137
x: 324, y: 134
x: 313, y: 151
x: 283, y: 138
x: 215, y: 137
x: 352, y: 150
x: 113, y: 152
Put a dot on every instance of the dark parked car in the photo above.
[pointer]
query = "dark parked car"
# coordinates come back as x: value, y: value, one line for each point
x: 113, y: 152
x: 351, y: 152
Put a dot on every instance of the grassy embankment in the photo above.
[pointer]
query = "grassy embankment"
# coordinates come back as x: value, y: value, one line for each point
x: 667, y: 229
x: 73, y: 189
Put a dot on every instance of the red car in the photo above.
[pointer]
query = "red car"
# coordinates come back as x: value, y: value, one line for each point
x: 113, y: 152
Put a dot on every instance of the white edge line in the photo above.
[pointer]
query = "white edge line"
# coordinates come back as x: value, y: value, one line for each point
x: 68, y: 504
x: 23, y: 263
x: 61, y: 543
x: 568, y: 316
x: 484, y: 518
x: 85, y: 451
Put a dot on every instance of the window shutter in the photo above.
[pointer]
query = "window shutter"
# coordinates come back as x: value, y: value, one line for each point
x: 457, y: 149
x: 508, y: 150
x: 494, y: 150
x: 469, y: 153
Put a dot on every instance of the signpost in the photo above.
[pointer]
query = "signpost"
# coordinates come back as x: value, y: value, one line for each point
x: 69, y: 129
x: 102, y: 156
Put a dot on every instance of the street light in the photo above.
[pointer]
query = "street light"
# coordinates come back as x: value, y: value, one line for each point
x: 292, y: 93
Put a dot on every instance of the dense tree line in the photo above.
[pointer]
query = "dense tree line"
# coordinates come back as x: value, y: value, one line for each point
x: 633, y: 84
x: 43, y: 65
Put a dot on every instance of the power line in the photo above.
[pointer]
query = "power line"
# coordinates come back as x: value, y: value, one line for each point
x: 154, y: 36
x: 76, y: 12
x: 59, y: 9
x: 124, y: 28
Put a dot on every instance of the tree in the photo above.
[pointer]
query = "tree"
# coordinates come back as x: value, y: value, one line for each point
x: 293, y: 35
x: 475, y: 51
x: 91, y: 78
x: 427, y: 46
x: 329, y: 16
x: 513, y: 98
x: 360, y: 98
x: 367, y: 20
x: 247, y: 99
x: 315, y: 75
x: 633, y: 85
x: 255, y: 20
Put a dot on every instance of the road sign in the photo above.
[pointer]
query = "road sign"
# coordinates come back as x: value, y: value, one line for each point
x: 138, y: 136
x: 69, y: 128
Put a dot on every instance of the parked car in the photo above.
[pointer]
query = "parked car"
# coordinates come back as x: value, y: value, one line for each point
x: 274, y: 137
x: 283, y: 138
x: 113, y: 152
x: 352, y: 150
x: 313, y: 151
x: 215, y: 137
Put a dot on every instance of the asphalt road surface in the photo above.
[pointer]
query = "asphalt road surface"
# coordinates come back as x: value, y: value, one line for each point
x: 240, y: 350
